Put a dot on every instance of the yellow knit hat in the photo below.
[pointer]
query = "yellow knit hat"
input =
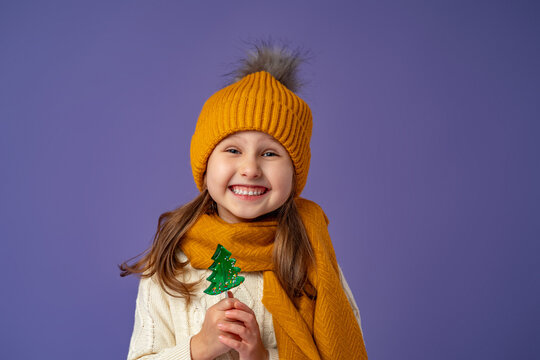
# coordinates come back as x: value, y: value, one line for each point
x: 256, y: 102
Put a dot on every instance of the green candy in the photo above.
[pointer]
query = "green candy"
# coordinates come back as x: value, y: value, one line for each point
x: 224, y: 274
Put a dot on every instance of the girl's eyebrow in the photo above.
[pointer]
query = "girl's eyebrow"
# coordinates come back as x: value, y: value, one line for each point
x: 260, y: 144
x: 232, y: 138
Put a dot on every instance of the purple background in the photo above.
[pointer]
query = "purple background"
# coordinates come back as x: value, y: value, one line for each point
x: 425, y: 158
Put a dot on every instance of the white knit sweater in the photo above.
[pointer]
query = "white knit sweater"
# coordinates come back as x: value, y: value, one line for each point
x: 164, y: 324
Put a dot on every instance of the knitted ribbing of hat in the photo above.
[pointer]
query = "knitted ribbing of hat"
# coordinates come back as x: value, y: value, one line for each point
x: 325, y: 328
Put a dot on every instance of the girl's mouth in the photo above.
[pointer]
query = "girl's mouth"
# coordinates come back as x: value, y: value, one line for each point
x: 249, y: 192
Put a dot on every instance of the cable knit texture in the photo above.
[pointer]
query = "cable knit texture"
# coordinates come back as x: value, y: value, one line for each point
x: 322, y: 329
x: 164, y: 325
x: 257, y: 102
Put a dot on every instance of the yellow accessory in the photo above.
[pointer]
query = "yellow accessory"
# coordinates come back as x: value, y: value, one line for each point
x: 324, y: 328
x: 256, y: 102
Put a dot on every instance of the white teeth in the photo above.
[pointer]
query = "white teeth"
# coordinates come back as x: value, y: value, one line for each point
x: 247, y: 192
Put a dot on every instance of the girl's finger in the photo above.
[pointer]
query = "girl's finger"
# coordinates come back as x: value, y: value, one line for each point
x: 225, y: 304
x: 230, y: 335
x: 236, y: 345
x: 247, y: 318
x: 235, y: 329
x: 230, y: 294
x: 241, y: 306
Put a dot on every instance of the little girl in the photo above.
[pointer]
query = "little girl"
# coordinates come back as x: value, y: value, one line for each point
x: 250, y: 159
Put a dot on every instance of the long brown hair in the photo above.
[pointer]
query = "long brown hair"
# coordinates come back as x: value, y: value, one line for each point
x: 292, y: 254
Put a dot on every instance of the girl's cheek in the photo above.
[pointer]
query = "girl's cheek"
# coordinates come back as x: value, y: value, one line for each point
x: 224, y: 168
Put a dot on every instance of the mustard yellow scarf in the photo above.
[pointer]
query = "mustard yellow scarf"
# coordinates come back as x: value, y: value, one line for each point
x: 325, y: 328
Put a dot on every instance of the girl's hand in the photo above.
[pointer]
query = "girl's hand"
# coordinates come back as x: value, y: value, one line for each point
x: 243, y: 324
x: 206, y: 344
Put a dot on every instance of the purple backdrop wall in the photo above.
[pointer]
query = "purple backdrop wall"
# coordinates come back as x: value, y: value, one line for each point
x: 425, y: 158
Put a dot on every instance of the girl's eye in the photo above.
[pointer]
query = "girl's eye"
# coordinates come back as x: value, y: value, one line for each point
x: 270, y: 153
x: 233, y: 151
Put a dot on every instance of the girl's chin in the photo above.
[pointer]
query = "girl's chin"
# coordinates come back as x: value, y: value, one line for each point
x: 246, y: 216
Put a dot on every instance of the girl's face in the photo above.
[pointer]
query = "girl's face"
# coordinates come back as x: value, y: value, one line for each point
x: 249, y: 174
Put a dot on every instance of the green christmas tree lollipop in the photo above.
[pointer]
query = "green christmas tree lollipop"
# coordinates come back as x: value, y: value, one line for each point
x: 224, y: 274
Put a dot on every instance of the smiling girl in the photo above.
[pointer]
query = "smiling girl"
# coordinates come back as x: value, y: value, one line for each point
x: 250, y: 159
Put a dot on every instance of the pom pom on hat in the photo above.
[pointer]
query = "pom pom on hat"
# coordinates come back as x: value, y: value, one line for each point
x: 279, y: 61
x: 259, y: 100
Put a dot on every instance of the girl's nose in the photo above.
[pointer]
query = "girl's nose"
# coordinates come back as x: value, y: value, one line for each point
x: 250, y: 168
